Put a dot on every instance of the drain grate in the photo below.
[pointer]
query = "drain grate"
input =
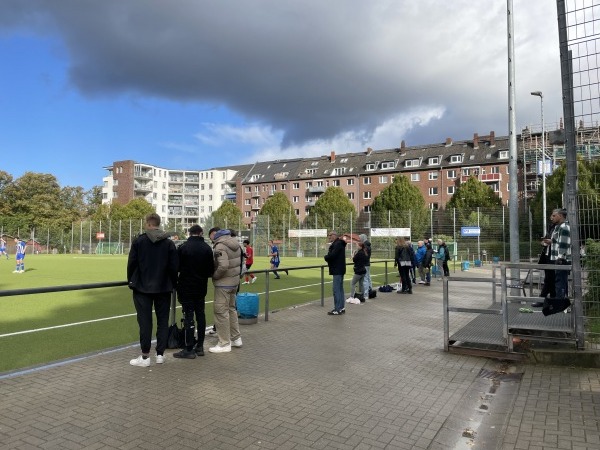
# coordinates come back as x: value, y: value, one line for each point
x: 500, y: 376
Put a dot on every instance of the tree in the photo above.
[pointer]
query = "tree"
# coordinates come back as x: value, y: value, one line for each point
x: 473, y: 194
x: 333, y: 210
x: 281, y: 215
x: 93, y: 199
x: 401, y: 204
x: 73, y: 200
x: 228, y: 215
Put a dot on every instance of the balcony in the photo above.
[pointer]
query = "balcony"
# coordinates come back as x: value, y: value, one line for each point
x: 256, y: 195
x: 317, y: 189
x: 145, y: 187
x: 483, y: 177
x: 255, y: 207
x: 146, y: 174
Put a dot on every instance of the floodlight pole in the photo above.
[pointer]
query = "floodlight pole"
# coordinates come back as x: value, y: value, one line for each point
x: 541, y: 96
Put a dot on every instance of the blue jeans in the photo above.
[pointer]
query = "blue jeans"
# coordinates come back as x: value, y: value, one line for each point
x: 367, y: 282
x: 338, y: 292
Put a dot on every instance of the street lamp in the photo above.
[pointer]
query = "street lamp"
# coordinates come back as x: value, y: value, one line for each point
x: 541, y: 96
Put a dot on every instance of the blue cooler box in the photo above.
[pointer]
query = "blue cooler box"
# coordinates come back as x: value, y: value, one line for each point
x: 247, y: 306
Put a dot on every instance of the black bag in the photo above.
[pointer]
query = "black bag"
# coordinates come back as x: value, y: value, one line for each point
x: 386, y: 288
x: 176, y: 336
x: 372, y: 293
x: 360, y: 297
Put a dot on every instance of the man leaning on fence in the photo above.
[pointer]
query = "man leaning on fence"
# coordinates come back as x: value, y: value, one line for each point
x: 560, y: 255
x: 196, y: 266
x: 152, y: 275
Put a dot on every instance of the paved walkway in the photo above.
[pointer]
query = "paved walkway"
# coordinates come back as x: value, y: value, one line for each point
x: 375, y: 378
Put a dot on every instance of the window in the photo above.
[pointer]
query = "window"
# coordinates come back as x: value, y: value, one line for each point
x: 210, y: 207
x: 495, y: 169
x: 295, y: 199
x: 246, y: 213
x: 350, y: 181
x: 367, y: 194
x: 454, y: 159
x: 344, y: 160
x: 297, y: 212
x: 351, y: 195
x: 503, y: 154
x: 367, y: 180
x: 247, y: 202
x: 367, y: 209
x: 388, y: 165
x: 247, y: 189
x: 210, y: 185
x: 411, y: 163
x: 116, y: 183
x: 283, y: 187
x: 311, y: 171
x: 383, y: 179
x: 201, y: 187
x: 296, y: 186
x: 433, y: 191
x: 450, y: 190
x: 335, y: 183
x: 495, y: 187
x: 257, y: 189
x: 273, y: 187
x: 314, y: 163
x: 415, y: 177
x: 451, y: 174
x: 433, y: 176
x: 308, y: 184
x: 210, y: 198
x: 434, y: 206
x: 433, y: 160
x: 154, y: 195
x: 338, y: 171
x: 371, y: 166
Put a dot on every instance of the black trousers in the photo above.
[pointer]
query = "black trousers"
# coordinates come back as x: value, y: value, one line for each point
x: 193, y: 303
x: 549, y: 288
x: 143, y: 305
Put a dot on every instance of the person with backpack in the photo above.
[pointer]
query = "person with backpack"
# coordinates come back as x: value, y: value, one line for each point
x: 360, y: 260
x: 440, y: 256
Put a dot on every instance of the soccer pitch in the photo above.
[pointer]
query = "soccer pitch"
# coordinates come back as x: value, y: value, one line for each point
x: 40, y: 328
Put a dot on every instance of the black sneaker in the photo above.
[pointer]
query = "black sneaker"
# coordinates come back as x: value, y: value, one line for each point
x: 343, y: 311
x: 199, y: 351
x: 186, y: 354
x: 537, y: 305
x: 335, y: 312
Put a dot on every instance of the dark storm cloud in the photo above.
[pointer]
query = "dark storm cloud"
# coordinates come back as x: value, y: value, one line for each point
x: 311, y: 69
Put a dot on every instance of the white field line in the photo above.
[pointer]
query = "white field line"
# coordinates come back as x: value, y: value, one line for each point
x: 66, y: 325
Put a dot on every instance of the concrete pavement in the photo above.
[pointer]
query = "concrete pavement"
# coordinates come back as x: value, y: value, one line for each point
x: 374, y: 378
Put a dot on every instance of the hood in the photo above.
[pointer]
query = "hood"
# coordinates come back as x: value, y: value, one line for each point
x: 229, y: 241
x: 220, y: 233
x: 156, y: 235
x: 363, y: 238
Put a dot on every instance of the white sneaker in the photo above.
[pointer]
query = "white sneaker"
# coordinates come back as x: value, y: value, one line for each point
x: 246, y: 282
x: 253, y: 280
x: 220, y: 348
x: 140, y: 362
x: 15, y: 271
x: 210, y: 332
x: 160, y: 359
x: 421, y: 282
x: 237, y: 342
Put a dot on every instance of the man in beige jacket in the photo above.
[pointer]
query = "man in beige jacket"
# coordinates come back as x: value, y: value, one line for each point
x: 226, y: 279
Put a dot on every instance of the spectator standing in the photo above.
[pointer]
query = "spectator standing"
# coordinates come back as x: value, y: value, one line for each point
x: 249, y: 251
x: 549, y: 287
x: 152, y: 275
x: 420, y: 259
x: 20, y: 247
x: 404, y: 261
x: 427, y: 260
x: 367, y: 283
x: 226, y: 280
x: 336, y: 260
x: 560, y: 250
x: 440, y: 257
x: 196, y: 266
x: 360, y: 260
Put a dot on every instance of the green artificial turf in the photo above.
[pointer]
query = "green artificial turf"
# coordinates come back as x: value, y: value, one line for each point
x: 91, y: 320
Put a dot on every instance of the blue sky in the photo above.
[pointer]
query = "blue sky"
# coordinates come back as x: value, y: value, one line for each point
x: 198, y: 84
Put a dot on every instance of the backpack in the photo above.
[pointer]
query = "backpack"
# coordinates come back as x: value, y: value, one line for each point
x: 447, y: 256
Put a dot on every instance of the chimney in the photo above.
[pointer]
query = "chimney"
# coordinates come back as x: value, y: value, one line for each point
x: 492, y: 139
x: 475, y: 141
x: 369, y: 151
x: 332, y: 157
x: 402, y: 145
x: 448, y: 142
x: 560, y: 124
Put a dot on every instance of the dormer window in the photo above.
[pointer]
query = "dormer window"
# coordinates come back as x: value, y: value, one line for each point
x: 433, y: 161
x: 388, y: 165
x: 344, y: 160
x: 371, y: 166
x: 338, y: 171
x: 503, y: 154
x: 412, y: 163
x: 255, y: 177
x: 455, y: 159
x: 314, y: 163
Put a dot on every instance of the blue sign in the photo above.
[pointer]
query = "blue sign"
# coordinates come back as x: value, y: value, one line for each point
x: 470, y: 231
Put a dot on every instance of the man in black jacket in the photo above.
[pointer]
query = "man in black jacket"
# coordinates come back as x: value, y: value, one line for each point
x: 196, y: 266
x: 152, y: 275
x: 336, y: 260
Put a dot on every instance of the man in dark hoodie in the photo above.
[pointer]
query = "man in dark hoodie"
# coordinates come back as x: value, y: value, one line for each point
x: 196, y: 266
x: 152, y: 275
x: 367, y: 284
x: 336, y: 260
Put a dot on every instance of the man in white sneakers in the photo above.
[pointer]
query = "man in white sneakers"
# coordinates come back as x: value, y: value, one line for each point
x: 226, y: 280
